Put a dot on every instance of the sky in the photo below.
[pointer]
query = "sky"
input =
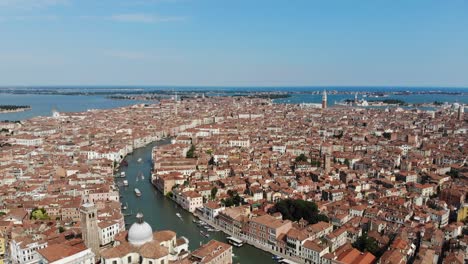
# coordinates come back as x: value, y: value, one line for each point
x: 234, y: 42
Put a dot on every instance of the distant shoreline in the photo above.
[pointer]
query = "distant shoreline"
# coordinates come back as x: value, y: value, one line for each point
x: 4, y: 109
x: 274, y: 92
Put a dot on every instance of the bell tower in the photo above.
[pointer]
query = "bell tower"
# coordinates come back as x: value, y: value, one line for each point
x: 324, y: 99
x: 89, y: 227
x: 461, y: 111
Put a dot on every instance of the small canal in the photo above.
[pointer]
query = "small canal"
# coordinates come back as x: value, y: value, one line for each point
x: 160, y: 212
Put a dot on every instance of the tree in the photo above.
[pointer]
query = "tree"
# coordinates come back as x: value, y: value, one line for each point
x: 39, y: 214
x: 191, y: 152
x: 61, y: 229
x: 301, y: 157
x: 233, y: 199
x: 346, y: 162
x: 315, y: 163
x: 387, y: 135
x: 366, y: 243
x: 214, y: 191
x: 294, y: 210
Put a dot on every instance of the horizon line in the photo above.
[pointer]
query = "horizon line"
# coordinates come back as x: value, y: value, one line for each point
x: 226, y: 86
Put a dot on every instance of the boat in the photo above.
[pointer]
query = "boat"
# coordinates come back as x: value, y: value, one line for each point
x: 178, y: 215
x: 142, y: 175
x: 137, y: 192
x: 195, y: 221
x: 277, y: 258
x: 122, y: 174
x: 125, y: 183
x: 204, y: 234
x: 235, y: 241
x: 139, y: 160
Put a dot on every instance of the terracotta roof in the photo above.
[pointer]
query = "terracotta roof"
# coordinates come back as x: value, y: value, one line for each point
x: 59, y: 251
x: 153, y: 250
x: 165, y: 235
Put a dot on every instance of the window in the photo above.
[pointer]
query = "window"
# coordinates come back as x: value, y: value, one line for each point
x: 129, y: 259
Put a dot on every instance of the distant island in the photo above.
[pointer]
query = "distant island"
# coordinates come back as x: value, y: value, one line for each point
x: 135, y: 97
x: 387, y: 102
x: 384, y: 102
x: 14, y: 108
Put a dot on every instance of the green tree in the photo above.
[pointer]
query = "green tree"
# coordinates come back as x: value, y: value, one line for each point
x: 191, y: 152
x: 301, y: 157
x: 315, y: 163
x: 294, y: 210
x: 346, y: 162
x: 387, y: 135
x: 61, y: 229
x: 366, y: 243
x: 39, y: 214
x: 233, y: 199
x: 214, y: 191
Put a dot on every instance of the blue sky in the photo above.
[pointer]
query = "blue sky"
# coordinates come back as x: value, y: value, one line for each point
x: 234, y: 42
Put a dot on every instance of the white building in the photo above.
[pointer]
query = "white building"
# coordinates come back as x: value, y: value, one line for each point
x: 239, y: 143
x: 189, y: 200
x: 145, y: 247
x: 24, y: 250
x: 107, y: 231
x: 27, y: 140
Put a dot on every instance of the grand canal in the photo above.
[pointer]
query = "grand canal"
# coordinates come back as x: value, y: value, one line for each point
x: 160, y: 212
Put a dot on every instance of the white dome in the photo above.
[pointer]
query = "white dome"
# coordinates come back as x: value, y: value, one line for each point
x: 140, y: 232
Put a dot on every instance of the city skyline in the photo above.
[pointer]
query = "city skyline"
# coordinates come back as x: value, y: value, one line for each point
x: 220, y: 43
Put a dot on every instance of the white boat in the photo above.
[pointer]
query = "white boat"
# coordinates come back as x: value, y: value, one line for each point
x: 137, y: 192
x: 139, y: 160
x: 235, y: 241
x: 178, y: 215
x: 125, y: 183
x: 122, y: 174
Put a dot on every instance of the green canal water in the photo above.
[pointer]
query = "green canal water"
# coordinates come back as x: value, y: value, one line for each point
x: 160, y: 212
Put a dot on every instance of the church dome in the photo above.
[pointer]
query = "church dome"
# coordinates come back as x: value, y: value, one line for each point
x: 140, y: 232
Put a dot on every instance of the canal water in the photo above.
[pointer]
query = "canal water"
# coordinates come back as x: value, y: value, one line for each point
x: 160, y: 212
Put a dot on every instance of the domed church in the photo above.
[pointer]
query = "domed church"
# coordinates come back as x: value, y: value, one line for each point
x: 141, y: 245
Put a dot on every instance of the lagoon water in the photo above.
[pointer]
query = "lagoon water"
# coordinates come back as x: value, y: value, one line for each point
x: 42, y: 105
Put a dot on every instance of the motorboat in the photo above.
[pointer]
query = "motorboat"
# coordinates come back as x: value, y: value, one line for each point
x: 137, y: 192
